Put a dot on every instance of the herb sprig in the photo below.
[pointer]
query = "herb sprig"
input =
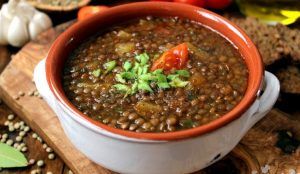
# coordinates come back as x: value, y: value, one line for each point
x: 136, y: 76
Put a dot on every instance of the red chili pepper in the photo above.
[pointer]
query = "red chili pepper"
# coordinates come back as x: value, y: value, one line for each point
x: 175, y: 58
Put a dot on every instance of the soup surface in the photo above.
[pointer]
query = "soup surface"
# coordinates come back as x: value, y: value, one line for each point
x: 155, y: 74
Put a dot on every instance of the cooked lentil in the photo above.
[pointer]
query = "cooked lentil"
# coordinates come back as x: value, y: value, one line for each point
x: 216, y: 76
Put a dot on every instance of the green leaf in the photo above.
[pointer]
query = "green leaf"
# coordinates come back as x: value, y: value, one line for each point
x: 140, y: 71
x: 161, y: 78
x: 96, y: 72
x: 145, y: 69
x: 135, y: 68
x: 188, y: 123
x: 128, y: 75
x: 163, y: 85
x: 142, y: 58
x: 144, y: 86
x: 158, y: 71
x: 110, y: 65
x: 134, y: 87
x: 173, y: 76
x: 127, y: 65
x: 146, y: 77
x: 11, y: 157
x: 121, y: 87
x: 120, y: 79
x: 177, y: 83
x: 183, y: 73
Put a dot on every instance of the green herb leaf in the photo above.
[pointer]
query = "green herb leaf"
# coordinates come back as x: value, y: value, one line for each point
x: 163, y: 85
x: 140, y: 71
x: 158, y: 71
x: 135, y: 68
x: 96, y: 72
x: 147, y: 77
x: 177, y: 83
x: 134, y: 87
x: 127, y: 65
x: 142, y: 58
x: 145, y: 69
x: 120, y: 79
x: 128, y: 75
x: 11, y: 157
x: 188, y: 123
x: 161, y: 78
x: 144, y: 86
x: 173, y: 76
x: 110, y: 65
x: 121, y: 87
x: 183, y: 73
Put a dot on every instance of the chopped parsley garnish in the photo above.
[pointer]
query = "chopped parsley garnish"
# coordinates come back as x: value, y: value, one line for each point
x: 96, y: 72
x: 109, y: 66
x: 137, y: 77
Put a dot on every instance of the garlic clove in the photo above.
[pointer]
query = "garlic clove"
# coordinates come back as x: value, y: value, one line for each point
x: 12, y: 4
x: 5, y: 22
x: 17, y: 33
x: 34, y: 29
x: 7, y: 12
x: 24, y: 10
x: 43, y: 20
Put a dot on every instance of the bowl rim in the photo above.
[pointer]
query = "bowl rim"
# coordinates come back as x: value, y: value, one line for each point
x: 248, y: 99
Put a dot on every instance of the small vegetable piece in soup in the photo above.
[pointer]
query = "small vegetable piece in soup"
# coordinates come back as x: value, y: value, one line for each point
x: 155, y: 74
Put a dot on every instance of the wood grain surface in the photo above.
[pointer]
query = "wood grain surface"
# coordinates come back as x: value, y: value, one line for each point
x: 17, y: 77
x: 256, y: 150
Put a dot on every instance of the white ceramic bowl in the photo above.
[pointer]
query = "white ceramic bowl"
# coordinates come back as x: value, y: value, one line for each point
x: 177, y: 152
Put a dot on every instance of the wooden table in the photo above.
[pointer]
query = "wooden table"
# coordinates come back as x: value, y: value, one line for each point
x: 255, y: 150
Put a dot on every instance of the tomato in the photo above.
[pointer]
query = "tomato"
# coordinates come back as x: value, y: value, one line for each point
x: 89, y: 11
x: 175, y: 58
x: 162, y: 0
x: 200, y: 3
x: 218, y: 4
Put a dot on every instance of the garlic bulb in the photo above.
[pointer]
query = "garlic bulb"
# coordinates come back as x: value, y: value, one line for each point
x: 26, y: 10
x: 17, y: 33
x: 39, y: 23
x: 20, y: 22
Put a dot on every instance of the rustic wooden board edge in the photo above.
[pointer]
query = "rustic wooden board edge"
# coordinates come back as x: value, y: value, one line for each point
x: 21, y: 112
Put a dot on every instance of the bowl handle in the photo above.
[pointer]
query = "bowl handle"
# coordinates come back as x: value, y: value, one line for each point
x: 267, y: 98
x: 41, y: 83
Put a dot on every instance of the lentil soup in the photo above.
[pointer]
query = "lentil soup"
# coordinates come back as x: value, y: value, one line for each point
x: 155, y: 74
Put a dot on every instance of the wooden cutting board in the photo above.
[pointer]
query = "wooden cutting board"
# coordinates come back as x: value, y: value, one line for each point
x: 248, y: 156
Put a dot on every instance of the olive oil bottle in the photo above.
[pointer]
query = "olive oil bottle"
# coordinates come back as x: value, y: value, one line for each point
x: 271, y: 11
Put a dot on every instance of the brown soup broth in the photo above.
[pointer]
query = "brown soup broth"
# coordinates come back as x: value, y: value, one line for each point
x: 216, y: 84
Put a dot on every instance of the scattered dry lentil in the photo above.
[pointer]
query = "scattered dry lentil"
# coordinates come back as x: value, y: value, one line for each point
x: 40, y: 163
x: 49, y: 150
x: 34, y: 135
x: 45, y: 146
x: 11, y: 128
x: 19, y: 138
x: 9, y: 142
x: 24, y: 149
x: 51, y: 156
x: 10, y: 116
x: 26, y: 128
x: 31, y: 161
